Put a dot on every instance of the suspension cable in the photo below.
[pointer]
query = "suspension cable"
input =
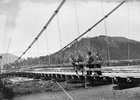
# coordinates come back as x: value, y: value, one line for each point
x: 106, y: 31
x: 64, y: 91
x: 89, y: 44
x: 89, y: 41
x: 107, y: 43
x: 92, y: 26
x: 9, y: 42
x: 31, y: 57
x: 47, y: 46
x: 77, y: 24
x: 128, y: 31
x: 38, y: 51
x: 46, y: 25
x: 59, y: 31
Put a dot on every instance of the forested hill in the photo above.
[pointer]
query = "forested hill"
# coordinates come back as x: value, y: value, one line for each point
x: 119, y: 48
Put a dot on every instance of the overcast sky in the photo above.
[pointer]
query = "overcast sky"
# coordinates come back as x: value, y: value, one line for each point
x: 22, y: 20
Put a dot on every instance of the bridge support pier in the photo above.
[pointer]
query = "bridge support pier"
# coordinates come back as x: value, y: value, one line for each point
x: 1, y: 83
x: 6, y: 92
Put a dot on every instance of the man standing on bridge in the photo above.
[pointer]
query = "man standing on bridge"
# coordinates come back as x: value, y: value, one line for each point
x: 73, y: 61
x: 80, y: 65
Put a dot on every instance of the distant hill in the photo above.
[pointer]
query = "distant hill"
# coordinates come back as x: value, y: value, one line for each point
x: 10, y: 58
x: 119, y: 48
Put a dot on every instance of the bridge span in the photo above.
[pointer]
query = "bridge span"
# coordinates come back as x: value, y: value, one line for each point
x: 121, y: 76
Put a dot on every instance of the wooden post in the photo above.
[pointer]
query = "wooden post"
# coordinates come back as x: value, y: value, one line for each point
x: 1, y: 64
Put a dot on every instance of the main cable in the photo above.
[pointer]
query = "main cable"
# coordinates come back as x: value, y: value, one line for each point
x: 46, y: 25
x: 91, y: 27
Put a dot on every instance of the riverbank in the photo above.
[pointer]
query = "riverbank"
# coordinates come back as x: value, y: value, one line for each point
x: 47, y: 90
x: 37, y: 86
x: 92, y: 93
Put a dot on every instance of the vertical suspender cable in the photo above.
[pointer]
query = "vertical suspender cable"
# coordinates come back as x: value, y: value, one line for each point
x: 31, y: 57
x: 107, y: 15
x: 89, y: 41
x: 78, y: 30
x: 46, y: 25
x: 59, y: 31
x: 8, y: 50
x: 60, y: 38
x: 128, y: 32
x: 107, y: 42
x: 47, y: 46
x: 38, y: 51
x: 77, y: 23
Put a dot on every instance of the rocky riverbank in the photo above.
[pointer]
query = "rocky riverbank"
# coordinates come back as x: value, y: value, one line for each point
x: 93, y: 93
x: 36, y: 86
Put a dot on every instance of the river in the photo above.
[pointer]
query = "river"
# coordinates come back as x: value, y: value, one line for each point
x: 42, y: 96
x: 76, y: 94
x: 92, y: 93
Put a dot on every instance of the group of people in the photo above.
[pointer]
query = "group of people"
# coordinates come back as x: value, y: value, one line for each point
x: 78, y: 63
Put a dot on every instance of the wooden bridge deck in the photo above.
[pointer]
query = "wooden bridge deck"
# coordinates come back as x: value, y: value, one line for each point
x: 129, y: 75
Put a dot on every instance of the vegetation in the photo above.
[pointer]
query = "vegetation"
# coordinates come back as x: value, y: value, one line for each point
x: 35, y: 86
x: 119, y: 48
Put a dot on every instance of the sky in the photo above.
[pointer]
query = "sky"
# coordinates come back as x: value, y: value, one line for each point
x: 22, y: 20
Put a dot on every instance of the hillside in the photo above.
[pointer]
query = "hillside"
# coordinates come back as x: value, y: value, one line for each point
x: 118, y: 48
x: 10, y: 58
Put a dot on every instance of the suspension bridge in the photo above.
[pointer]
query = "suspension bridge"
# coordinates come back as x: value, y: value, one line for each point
x: 92, y: 73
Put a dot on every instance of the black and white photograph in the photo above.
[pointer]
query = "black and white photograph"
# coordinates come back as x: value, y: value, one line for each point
x: 69, y: 49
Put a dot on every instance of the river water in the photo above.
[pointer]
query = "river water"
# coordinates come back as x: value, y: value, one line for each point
x: 41, y: 96
x: 76, y: 94
x: 92, y: 93
x: 53, y: 95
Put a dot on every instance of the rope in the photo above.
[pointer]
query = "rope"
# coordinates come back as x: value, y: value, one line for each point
x: 59, y: 31
x: 89, y: 41
x: 60, y: 38
x: 92, y: 26
x: 8, y: 49
x: 47, y: 45
x: 107, y: 42
x: 77, y: 24
x: 64, y: 91
x: 31, y: 56
x: 38, y: 51
x: 128, y: 32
